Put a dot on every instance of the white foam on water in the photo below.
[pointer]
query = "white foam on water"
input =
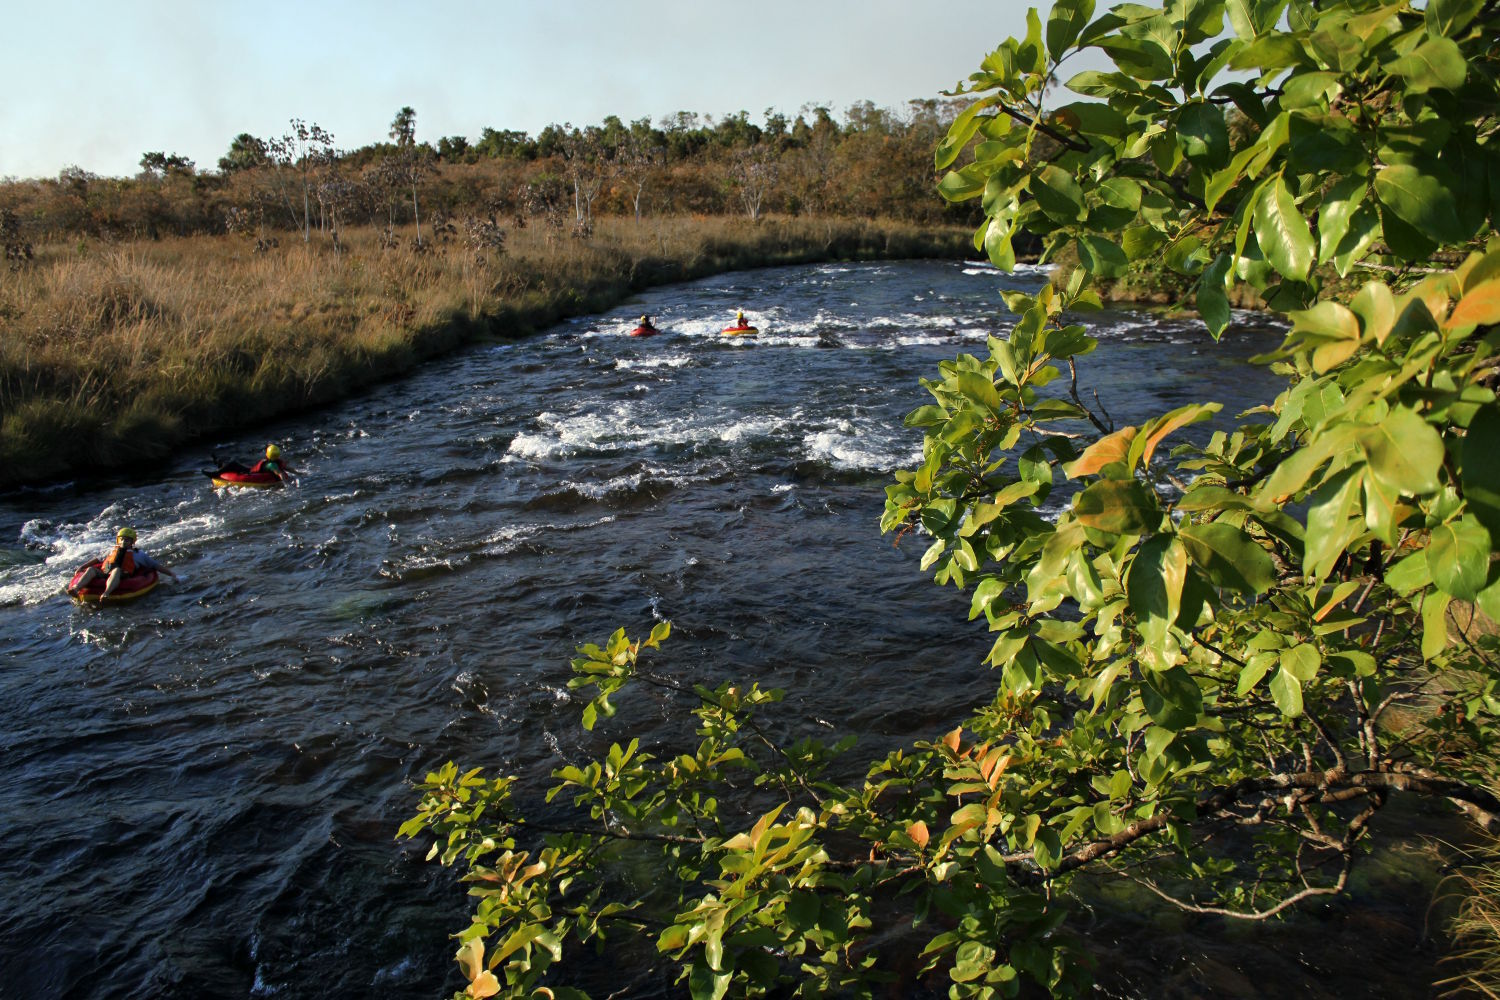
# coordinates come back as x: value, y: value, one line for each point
x: 599, y: 489
x: 847, y: 445
x: 628, y: 428
x: 513, y: 536
x: 647, y: 364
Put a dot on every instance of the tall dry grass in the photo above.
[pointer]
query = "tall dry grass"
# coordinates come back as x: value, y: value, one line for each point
x: 114, y: 354
x: 1476, y: 934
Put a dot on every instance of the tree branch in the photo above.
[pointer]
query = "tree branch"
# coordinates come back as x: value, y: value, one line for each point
x: 1045, y: 129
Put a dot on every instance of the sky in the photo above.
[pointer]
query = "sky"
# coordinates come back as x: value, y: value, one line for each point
x: 97, y: 83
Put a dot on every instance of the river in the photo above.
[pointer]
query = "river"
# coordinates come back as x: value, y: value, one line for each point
x: 200, y: 790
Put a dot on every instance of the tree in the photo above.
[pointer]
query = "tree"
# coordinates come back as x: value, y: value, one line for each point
x: 245, y: 153
x: 1201, y: 658
x: 159, y: 165
x: 640, y: 156
x: 411, y: 162
x: 589, y: 166
x: 305, y: 150
x: 753, y: 172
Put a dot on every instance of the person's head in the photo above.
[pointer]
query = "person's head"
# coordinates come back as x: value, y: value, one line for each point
x: 740, y: 315
x: 645, y: 320
x: 125, y: 537
x: 273, y: 452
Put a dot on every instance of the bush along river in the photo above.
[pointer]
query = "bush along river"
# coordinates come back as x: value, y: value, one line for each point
x: 200, y: 789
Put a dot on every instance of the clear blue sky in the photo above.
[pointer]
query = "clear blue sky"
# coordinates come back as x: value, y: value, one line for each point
x: 96, y: 83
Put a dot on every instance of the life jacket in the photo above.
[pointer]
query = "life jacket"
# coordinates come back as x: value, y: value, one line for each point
x: 121, y: 557
x: 266, y: 465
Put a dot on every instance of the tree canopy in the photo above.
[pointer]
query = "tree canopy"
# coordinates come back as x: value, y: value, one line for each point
x: 1218, y: 655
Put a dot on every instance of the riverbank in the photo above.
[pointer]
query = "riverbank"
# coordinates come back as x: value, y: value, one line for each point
x: 117, y: 354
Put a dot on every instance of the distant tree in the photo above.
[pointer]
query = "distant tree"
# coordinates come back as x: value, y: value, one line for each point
x: 777, y: 130
x: 641, y: 156
x: 159, y: 165
x: 588, y: 167
x: 404, y: 127
x: 753, y: 171
x: 245, y: 153
x: 684, y: 134
x: 812, y: 169
x: 505, y: 143
x: 454, y: 149
x: 302, y: 151
x: 736, y: 130
x: 412, y: 161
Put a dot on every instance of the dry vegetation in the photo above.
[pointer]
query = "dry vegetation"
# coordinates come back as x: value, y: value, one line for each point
x: 115, y: 353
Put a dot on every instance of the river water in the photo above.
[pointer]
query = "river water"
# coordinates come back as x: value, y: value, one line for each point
x: 200, y: 790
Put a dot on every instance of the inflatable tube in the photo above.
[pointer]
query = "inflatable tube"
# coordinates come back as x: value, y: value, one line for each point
x: 644, y: 331
x: 740, y: 331
x: 254, y: 480
x: 133, y: 586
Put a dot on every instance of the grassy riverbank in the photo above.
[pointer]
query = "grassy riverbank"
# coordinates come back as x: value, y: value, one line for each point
x: 115, y: 354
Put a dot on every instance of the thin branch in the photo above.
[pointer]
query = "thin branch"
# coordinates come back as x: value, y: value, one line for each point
x: 1045, y: 129
x: 1288, y: 902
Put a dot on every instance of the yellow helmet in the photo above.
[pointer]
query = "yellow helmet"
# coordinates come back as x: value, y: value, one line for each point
x: 125, y: 533
x: 273, y: 452
x: 645, y: 319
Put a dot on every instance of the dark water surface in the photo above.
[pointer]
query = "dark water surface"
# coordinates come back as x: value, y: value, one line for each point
x: 199, y: 792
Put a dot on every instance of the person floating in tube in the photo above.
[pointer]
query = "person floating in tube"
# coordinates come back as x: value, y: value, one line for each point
x: 123, y: 560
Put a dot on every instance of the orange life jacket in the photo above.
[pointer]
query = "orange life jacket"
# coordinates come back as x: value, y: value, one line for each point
x: 121, y: 557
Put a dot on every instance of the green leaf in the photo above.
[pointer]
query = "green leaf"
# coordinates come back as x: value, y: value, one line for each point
x: 1448, y: 17
x: 979, y: 388
x: 1333, y: 522
x: 1434, y: 624
x: 1213, y: 301
x: 1459, y: 558
x: 961, y: 185
x: 1334, y: 215
x: 1229, y: 557
x: 959, y: 134
x: 1117, y: 506
x: 706, y: 984
x: 1065, y: 23
x: 1141, y: 58
x: 1101, y: 257
x: 1202, y: 134
x: 1302, y: 661
x: 1422, y: 200
x: 1255, y: 669
x: 1479, y: 469
x: 1172, y: 698
x: 1286, y: 692
x: 1154, y: 587
x: 1404, y: 452
x: 1282, y: 232
x: 1058, y: 194
x: 1437, y: 63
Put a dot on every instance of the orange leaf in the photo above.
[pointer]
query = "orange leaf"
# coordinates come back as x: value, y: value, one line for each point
x: 484, y: 985
x: 1171, y: 422
x: 1481, y: 306
x: 951, y: 740
x: 918, y: 832
x: 1110, y: 448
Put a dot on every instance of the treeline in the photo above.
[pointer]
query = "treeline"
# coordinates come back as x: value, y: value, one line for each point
x: 875, y: 162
